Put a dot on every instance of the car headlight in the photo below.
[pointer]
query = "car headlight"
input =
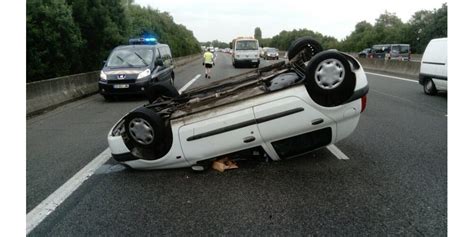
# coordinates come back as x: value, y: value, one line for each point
x: 276, y: 54
x: 103, y: 76
x: 144, y: 74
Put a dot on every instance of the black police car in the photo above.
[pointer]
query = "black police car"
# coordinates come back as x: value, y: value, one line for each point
x: 143, y: 67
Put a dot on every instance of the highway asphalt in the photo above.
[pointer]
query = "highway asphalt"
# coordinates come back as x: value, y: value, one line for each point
x: 394, y: 183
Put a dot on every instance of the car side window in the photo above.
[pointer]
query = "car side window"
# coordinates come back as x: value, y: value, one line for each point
x: 164, y: 51
x: 169, y: 52
x: 157, y: 55
x: 404, y: 49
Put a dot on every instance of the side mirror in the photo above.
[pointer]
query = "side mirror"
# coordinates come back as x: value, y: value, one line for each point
x: 105, y: 62
x: 159, y: 62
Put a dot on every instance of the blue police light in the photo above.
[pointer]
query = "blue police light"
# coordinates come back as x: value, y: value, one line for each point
x: 147, y: 40
x: 150, y: 39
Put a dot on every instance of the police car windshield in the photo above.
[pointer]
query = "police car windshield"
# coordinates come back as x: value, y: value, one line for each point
x: 130, y: 57
x: 246, y: 45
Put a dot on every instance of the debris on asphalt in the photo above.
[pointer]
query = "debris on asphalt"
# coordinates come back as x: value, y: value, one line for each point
x: 224, y: 164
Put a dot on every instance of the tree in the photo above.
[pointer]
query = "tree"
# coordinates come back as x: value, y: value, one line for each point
x: 70, y: 36
x: 426, y: 25
x: 258, y: 33
x: 103, y: 26
x: 181, y: 40
x: 53, y: 40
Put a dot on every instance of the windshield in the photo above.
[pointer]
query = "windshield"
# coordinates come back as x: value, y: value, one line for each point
x: 246, y: 45
x: 130, y: 57
x: 271, y: 50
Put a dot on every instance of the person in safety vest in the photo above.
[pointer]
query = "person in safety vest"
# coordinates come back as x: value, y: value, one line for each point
x: 208, y: 62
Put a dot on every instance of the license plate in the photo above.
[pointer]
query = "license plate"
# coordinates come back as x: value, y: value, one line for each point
x: 121, y: 86
x: 254, y: 60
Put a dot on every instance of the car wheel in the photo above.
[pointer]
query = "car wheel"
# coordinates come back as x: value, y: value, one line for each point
x: 147, y: 136
x: 429, y: 87
x: 108, y: 97
x: 163, y: 91
x: 329, y: 79
x: 305, y: 47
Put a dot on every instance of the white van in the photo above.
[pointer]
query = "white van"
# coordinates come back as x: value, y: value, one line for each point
x: 246, y: 51
x: 434, y: 67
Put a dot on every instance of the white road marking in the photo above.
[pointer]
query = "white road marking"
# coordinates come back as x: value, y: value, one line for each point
x: 47, y: 206
x: 398, y: 78
x: 337, y: 153
x: 189, y: 84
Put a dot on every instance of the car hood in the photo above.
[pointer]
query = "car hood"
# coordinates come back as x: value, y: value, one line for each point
x: 123, y: 73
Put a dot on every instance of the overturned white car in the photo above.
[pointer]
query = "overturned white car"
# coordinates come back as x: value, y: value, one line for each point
x: 290, y: 108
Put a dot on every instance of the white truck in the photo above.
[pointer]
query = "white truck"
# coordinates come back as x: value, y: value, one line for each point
x: 246, y: 52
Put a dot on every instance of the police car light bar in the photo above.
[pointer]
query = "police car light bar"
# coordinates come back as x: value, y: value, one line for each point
x: 142, y: 41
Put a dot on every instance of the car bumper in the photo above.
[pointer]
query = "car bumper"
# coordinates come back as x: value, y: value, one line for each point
x: 247, y: 61
x: 107, y: 88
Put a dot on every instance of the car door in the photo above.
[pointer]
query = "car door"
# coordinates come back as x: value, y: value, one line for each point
x: 162, y: 72
x: 280, y: 121
x: 219, y: 133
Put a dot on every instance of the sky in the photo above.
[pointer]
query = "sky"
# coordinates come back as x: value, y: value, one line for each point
x: 225, y: 20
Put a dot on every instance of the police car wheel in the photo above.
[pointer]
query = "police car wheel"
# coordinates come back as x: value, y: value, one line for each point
x: 108, y: 97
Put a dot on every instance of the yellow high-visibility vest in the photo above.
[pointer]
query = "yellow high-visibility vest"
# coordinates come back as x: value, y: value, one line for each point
x: 208, y: 57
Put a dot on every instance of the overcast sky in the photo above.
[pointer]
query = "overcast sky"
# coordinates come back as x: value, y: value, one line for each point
x: 224, y: 20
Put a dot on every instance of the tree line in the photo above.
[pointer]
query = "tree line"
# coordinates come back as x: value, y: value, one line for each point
x: 71, y: 36
x: 423, y: 26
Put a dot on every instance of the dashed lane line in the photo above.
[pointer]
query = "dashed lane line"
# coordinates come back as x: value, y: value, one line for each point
x: 393, y: 77
x: 337, y: 153
x: 189, y: 84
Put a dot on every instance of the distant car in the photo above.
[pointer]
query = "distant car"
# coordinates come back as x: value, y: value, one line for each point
x: 270, y: 53
x: 133, y: 69
x: 392, y: 52
x: 365, y: 53
x: 434, y: 67
x: 285, y: 109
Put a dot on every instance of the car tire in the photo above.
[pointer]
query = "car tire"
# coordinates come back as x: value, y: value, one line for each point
x: 429, y: 87
x: 329, y: 79
x: 163, y: 91
x: 307, y: 44
x: 147, y: 135
x: 108, y: 97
